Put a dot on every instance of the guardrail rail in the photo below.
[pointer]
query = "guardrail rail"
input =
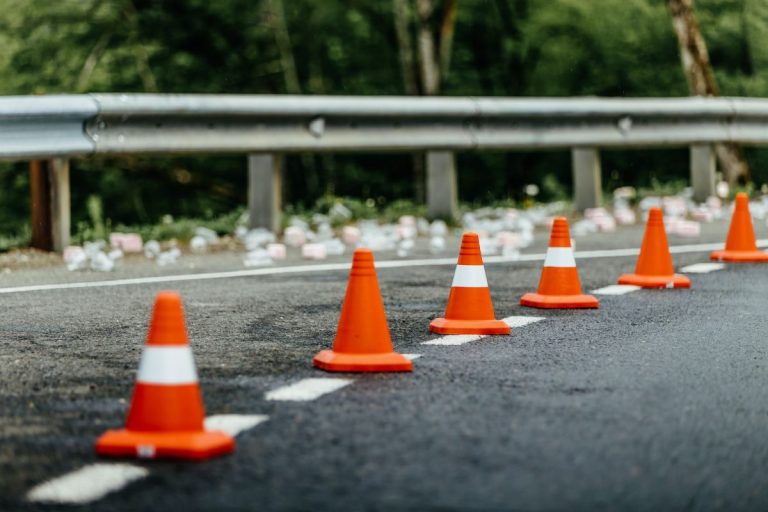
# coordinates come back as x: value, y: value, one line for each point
x: 59, y: 127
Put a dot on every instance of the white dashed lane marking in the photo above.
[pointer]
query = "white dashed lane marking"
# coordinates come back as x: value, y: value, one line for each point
x: 521, y: 321
x: 234, y: 424
x: 702, y: 268
x: 307, y: 389
x: 460, y: 339
x: 454, y: 339
x: 616, y: 289
x: 87, y: 484
x: 93, y: 482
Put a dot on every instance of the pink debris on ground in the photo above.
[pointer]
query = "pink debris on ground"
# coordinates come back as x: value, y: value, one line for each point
x: 294, y: 236
x: 277, y: 251
x: 313, y: 251
x: 127, y: 242
x: 351, y: 235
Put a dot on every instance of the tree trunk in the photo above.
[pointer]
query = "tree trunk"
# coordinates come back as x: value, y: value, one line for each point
x: 434, y: 42
x: 701, y: 81
x: 428, y: 57
x: 447, y: 28
x: 276, y: 13
x: 401, y: 12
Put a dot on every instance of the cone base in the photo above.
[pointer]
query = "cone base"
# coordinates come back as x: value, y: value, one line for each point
x: 331, y: 361
x: 450, y: 326
x: 171, y: 445
x: 740, y: 256
x: 537, y: 300
x: 673, y: 281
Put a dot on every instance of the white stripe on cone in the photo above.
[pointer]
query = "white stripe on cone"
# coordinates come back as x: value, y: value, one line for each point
x: 560, y: 257
x: 167, y: 365
x: 469, y: 276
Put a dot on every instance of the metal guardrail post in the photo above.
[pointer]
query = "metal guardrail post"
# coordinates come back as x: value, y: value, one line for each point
x: 40, y: 201
x: 265, y: 189
x: 587, y: 181
x: 442, y: 194
x: 49, y: 188
x: 702, y: 171
x: 58, y: 172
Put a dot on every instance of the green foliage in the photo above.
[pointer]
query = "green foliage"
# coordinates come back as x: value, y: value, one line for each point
x: 500, y: 47
x: 166, y: 228
x: 658, y: 188
x: 393, y: 211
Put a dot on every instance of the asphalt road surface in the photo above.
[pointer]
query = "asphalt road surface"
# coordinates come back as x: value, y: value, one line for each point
x: 656, y: 401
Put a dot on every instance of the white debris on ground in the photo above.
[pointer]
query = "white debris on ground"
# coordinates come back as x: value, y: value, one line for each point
x: 502, y: 231
x: 152, y: 249
x: 92, y: 256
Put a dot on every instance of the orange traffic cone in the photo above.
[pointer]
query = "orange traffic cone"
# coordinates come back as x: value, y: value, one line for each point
x: 362, y: 341
x: 469, y: 310
x: 559, y: 287
x: 654, y: 265
x: 740, y: 246
x: 166, y: 414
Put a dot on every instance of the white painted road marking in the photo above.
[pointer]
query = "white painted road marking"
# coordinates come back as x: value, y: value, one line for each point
x: 616, y: 289
x: 454, y: 339
x: 87, y: 484
x: 702, y: 268
x: 521, y: 321
x: 234, y: 424
x: 303, y: 269
x: 461, y: 339
x: 307, y: 389
x: 95, y: 481
x: 411, y: 357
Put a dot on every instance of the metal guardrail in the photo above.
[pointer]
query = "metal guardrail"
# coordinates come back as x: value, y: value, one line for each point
x: 63, y: 126
x: 110, y: 124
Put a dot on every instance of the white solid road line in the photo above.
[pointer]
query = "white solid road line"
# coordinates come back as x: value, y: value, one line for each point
x: 412, y: 356
x: 307, y: 389
x: 234, y: 424
x: 303, y: 269
x: 702, y: 268
x: 461, y: 339
x: 616, y: 289
x: 95, y: 481
x: 87, y: 484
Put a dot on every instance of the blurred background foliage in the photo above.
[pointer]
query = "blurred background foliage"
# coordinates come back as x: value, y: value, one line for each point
x: 498, y: 48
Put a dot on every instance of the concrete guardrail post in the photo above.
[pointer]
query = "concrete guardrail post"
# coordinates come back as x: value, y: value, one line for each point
x: 702, y: 171
x: 587, y: 181
x: 265, y: 190
x: 442, y: 193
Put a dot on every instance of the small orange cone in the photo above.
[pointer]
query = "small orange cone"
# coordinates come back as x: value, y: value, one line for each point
x: 740, y: 246
x: 559, y: 287
x: 469, y: 310
x: 362, y: 342
x: 166, y: 414
x: 654, y: 265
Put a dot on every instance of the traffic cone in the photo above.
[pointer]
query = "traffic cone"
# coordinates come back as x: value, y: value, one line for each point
x: 654, y: 265
x: 166, y: 414
x: 741, y: 246
x: 362, y: 342
x: 469, y: 309
x: 559, y: 287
